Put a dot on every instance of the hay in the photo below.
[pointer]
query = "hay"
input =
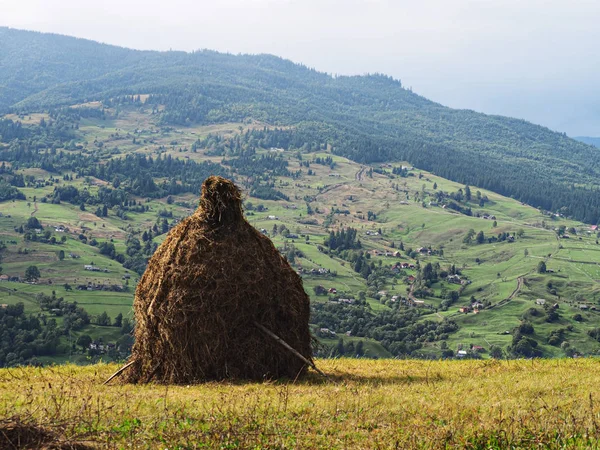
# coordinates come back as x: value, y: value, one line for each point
x: 206, y: 287
x: 18, y: 434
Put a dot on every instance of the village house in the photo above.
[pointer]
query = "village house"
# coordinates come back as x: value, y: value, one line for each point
x: 332, y: 291
x: 454, y: 279
x: 540, y: 301
x: 101, y: 347
x: 3, y: 277
x: 465, y: 309
x: 327, y: 331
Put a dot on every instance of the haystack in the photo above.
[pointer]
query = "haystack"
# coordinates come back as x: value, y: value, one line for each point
x: 213, y: 295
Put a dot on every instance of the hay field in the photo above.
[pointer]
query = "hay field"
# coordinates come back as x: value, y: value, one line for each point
x: 370, y: 404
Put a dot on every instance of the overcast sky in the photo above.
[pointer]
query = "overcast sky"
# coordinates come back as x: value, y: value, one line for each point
x: 533, y: 59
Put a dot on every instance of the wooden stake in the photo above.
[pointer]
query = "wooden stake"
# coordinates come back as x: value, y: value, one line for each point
x: 291, y: 349
x: 118, y: 372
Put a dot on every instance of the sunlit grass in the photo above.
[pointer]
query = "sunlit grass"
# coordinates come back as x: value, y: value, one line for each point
x: 368, y: 404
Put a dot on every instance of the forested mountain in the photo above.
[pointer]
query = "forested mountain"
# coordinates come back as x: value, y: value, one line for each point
x: 366, y: 118
x: 595, y: 141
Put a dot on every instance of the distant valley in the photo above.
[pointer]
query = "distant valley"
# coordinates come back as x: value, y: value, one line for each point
x: 418, y: 230
x: 595, y: 141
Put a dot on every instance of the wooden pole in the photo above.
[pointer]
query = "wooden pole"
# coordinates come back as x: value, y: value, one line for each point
x: 290, y: 348
x: 119, y: 372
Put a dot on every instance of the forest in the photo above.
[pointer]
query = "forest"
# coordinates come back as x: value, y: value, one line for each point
x: 369, y: 119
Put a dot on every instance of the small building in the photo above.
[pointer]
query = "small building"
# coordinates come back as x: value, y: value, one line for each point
x: 327, y: 331
x: 461, y: 353
x: 454, y: 279
x: 540, y: 301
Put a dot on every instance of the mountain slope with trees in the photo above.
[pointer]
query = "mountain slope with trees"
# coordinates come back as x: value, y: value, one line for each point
x: 366, y: 118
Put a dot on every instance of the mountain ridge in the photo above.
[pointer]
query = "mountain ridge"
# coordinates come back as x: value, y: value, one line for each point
x: 368, y: 118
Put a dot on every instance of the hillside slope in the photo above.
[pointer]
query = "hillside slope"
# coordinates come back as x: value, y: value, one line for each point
x: 366, y: 118
x: 397, y: 261
x: 595, y: 141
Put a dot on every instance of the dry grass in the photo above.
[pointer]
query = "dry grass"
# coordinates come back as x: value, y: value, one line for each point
x: 372, y: 404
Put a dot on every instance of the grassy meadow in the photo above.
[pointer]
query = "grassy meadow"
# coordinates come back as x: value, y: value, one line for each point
x: 404, y: 213
x: 367, y: 404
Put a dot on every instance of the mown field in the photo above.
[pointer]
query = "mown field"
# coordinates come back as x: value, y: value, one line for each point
x: 367, y: 404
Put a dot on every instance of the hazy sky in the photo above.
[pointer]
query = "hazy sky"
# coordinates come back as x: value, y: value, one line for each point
x: 533, y: 59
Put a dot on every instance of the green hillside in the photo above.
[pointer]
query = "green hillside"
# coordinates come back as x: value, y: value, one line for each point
x: 386, y: 251
x: 368, y: 119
